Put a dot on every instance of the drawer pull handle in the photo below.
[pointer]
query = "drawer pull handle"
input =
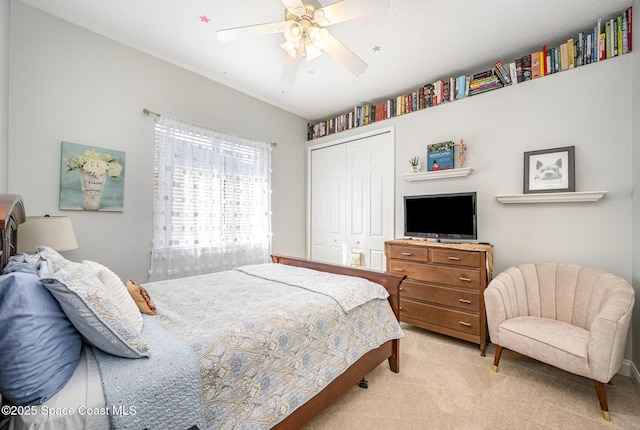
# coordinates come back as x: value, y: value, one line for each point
x: 397, y: 269
x: 454, y: 258
x: 465, y: 279
x: 466, y: 324
x: 462, y: 300
x: 400, y: 289
x: 407, y: 253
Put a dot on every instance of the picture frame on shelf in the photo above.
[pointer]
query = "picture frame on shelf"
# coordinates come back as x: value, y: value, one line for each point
x: 549, y: 170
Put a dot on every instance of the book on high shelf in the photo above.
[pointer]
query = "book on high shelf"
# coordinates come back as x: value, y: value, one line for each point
x: 608, y: 38
x: 428, y: 94
x: 445, y: 92
x: 535, y: 65
x: 625, y: 40
x: 482, y: 75
x: 461, y: 87
x: 502, y: 73
x: 513, y: 72
x: 629, y: 27
x: 619, y: 47
x: 570, y: 54
x: 437, y: 85
x: 598, y: 46
x: 526, y: 68
x: 519, y: 70
x: 602, y: 46
x: 564, y: 56
x: 440, y: 156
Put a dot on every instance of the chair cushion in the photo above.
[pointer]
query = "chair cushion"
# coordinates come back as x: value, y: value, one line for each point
x: 553, y: 342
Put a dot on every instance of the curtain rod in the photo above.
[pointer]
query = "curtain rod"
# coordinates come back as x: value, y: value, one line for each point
x: 147, y: 112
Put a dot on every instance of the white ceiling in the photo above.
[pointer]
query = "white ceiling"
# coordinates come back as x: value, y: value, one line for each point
x: 414, y: 42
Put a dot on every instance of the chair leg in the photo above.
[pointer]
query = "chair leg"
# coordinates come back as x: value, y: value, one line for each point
x: 602, y: 397
x: 496, y: 358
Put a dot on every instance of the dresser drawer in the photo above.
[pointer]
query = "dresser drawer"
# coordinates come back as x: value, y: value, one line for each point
x: 468, y: 300
x: 456, y: 258
x: 453, y: 276
x: 449, y: 318
x: 415, y: 253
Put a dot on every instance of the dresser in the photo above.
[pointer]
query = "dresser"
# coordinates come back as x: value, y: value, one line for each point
x: 444, y: 285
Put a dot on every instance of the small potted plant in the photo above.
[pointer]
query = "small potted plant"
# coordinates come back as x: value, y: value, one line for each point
x: 415, y: 164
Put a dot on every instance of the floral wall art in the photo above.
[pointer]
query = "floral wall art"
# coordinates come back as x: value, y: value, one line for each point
x: 91, y: 178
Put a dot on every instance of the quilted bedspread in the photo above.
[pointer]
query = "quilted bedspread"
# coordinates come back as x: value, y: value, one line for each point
x: 263, y: 346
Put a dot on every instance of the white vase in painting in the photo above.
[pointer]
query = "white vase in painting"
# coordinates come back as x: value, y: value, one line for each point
x: 92, y: 188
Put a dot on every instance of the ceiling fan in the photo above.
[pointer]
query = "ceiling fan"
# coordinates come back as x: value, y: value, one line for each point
x: 305, y: 33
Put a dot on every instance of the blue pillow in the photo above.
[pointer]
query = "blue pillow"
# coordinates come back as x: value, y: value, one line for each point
x: 18, y: 263
x: 39, y: 347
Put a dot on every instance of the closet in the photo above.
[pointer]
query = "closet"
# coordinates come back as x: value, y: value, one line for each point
x: 351, y: 199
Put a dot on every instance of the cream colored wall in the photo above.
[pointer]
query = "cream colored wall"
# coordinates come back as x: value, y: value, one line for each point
x: 69, y: 84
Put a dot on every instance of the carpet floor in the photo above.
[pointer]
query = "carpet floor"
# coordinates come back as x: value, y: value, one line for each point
x: 444, y: 383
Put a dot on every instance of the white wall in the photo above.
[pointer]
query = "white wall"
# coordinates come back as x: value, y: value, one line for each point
x: 4, y: 91
x: 588, y: 107
x: 635, y: 324
x: 69, y: 84
x: 581, y: 107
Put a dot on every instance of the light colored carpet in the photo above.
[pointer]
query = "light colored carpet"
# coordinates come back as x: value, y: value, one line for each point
x: 444, y: 383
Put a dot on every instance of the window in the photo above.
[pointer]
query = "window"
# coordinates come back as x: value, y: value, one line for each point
x: 212, y: 201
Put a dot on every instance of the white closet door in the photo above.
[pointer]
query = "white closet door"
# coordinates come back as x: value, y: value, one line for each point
x: 351, y: 203
x: 369, y: 218
x: 328, y: 203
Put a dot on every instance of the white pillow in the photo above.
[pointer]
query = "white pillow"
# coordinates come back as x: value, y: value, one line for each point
x: 119, y: 292
x: 93, y: 311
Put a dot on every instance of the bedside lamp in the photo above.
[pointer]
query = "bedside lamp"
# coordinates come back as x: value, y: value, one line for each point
x: 56, y: 232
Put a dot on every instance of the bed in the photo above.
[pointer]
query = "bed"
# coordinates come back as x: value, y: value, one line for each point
x: 265, y: 346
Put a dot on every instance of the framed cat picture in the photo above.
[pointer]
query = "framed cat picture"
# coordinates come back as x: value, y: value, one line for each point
x: 550, y: 170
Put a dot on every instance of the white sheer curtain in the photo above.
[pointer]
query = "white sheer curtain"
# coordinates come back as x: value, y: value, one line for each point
x: 212, y: 208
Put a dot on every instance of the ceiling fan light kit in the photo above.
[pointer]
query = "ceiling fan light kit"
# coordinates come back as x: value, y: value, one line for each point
x: 305, y: 35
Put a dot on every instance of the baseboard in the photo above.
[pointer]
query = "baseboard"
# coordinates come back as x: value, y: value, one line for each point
x: 629, y: 369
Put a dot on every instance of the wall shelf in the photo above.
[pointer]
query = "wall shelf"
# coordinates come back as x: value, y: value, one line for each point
x: 581, y: 196
x: 438, y: 174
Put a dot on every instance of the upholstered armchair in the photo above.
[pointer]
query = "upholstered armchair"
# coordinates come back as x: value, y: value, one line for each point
x: 572, y: 317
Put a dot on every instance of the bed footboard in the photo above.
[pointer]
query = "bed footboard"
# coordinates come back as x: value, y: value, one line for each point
x: 389, y: 350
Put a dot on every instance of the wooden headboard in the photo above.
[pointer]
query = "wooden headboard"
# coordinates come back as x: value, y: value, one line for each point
x: 11, y: 216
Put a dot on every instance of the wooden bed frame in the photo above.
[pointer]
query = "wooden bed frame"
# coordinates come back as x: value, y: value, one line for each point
x: 12, y: 214
x: 361, y: 368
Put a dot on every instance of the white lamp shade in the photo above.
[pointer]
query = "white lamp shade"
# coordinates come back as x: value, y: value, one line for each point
x: 56, y: 232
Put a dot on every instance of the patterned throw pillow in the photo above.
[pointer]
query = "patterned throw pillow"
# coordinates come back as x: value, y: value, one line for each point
x: 141, y: 297
x: 92, y: 310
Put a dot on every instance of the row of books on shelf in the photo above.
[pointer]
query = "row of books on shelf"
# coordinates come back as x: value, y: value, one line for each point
x: 609, y: 38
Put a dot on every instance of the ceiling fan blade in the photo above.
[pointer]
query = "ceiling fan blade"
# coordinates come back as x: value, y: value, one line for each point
x: 293, y: 4
x: 345, y: 56
x: 349, y: 9
x: 237, y: 33
x: 291, y: 68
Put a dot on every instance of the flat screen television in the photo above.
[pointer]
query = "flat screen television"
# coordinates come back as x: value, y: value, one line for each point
x: 441, y: 216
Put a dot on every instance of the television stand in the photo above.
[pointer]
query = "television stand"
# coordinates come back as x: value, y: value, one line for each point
x: 443, y: 291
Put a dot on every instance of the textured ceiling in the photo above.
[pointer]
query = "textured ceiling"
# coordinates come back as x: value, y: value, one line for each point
x: 414, y: 42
